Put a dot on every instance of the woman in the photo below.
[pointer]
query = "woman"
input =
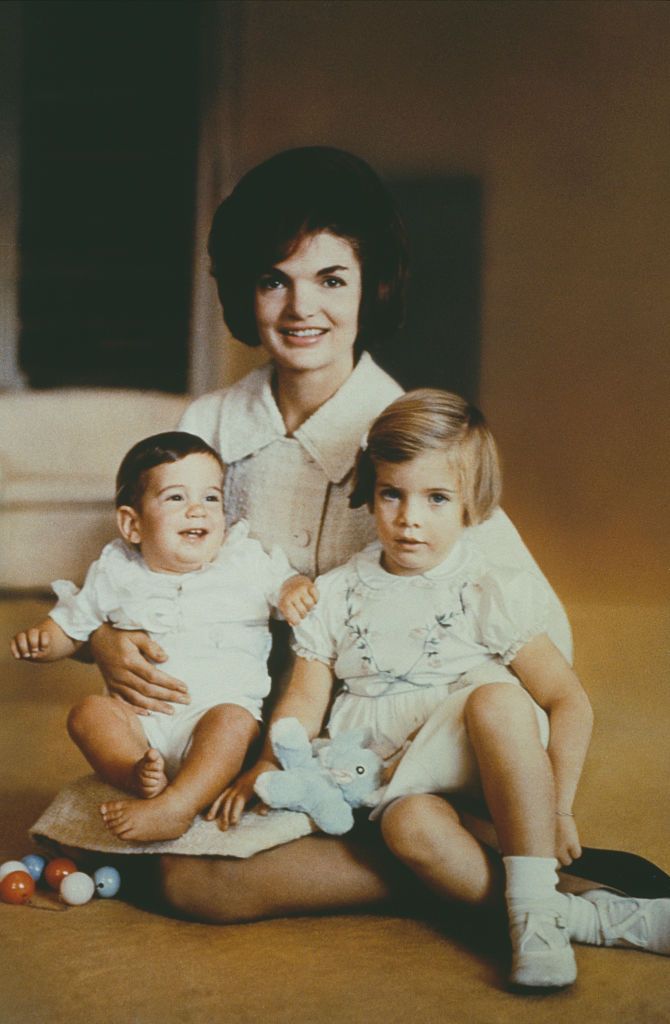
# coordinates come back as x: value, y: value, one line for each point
x: 309, y: 257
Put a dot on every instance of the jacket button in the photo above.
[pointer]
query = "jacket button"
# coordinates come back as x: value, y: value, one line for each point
x: 302, y: 538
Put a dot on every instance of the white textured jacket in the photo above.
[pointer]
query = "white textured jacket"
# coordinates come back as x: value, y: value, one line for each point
x: 294, y: 491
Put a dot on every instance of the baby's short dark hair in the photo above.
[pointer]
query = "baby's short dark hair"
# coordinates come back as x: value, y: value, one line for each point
x: 170, y: 446
x: 431, y: 420
x: 295, y: 194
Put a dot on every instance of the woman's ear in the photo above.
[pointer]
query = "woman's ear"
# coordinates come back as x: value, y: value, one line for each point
x: 127, y: 520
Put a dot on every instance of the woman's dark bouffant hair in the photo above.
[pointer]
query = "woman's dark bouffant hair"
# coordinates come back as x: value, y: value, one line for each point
x: 428, y: 420
x: 171, y: 446
x: 295, y: 194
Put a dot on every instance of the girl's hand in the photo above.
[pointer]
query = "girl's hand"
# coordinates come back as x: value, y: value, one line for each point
x: 231, y: 803
x: 568, y: 847
x: 125, y: 659
x: 298, y: 597
x: 31, y: 643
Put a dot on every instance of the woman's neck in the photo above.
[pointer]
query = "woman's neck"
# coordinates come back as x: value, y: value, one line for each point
x: 299, y: 393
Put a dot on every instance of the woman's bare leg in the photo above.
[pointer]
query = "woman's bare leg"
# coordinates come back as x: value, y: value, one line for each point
x: 316, y: 874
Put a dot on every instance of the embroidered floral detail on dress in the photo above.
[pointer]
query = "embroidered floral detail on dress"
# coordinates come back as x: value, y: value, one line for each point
x: 432, y: 636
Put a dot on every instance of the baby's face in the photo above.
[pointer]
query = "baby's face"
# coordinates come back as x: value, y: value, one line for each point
x: 180, y: 525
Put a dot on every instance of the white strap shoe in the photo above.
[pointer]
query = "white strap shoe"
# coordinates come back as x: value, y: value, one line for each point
x: 631, y: 922
x: 542, y: 956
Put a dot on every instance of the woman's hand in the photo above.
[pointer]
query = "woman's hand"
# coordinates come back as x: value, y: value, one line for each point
x: 126, y: 659
x: 298, y: 597
x: 231, y: 803
x: 568, y: 847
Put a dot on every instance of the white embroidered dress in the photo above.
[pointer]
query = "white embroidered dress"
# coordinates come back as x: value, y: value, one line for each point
x: 407, y: 648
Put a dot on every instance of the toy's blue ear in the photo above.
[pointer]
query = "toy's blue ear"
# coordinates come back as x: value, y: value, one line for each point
x: 353, y: 738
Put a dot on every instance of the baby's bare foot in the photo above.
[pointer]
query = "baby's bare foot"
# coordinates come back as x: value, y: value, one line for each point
x: 147, y: 821
x: 149, y: 778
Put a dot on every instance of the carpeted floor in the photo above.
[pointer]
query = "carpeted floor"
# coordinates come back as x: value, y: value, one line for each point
x: 113, y: 963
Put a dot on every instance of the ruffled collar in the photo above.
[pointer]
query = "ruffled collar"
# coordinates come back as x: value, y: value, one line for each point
x: 460, y: 564
x: 251, y: 420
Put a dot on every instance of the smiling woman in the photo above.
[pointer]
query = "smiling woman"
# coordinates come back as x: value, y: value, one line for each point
x: 307, y: 308
x: 309, y: 258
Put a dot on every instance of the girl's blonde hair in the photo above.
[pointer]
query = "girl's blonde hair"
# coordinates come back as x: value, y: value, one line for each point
x: 431, y: 420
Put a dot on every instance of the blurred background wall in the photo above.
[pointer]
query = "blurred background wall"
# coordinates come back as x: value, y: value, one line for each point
x: 561, y: 110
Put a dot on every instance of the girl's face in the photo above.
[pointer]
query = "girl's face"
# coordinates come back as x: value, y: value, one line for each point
x: 418, y: 510
x: 307, y: 306
x: 179, y: 525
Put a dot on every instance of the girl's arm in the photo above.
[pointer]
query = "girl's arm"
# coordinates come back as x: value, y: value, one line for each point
x: 306, y: 698
x: 552, y: 683
x: 126, y: 660
x: 46, y: 642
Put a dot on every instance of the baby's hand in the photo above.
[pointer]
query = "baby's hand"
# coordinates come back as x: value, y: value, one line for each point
x: 298, y: 597
x: 32, y: 643
x: 568, y: 847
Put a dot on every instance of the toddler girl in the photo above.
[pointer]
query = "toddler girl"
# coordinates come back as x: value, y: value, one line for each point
x: 206, y: 597
x: 419, y: 629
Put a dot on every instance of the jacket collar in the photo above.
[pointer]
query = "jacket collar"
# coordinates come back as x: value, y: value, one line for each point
x: 251, y: 419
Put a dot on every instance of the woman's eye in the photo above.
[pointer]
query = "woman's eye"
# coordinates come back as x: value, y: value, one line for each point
x: 270, y: 283
x: 334, y: 282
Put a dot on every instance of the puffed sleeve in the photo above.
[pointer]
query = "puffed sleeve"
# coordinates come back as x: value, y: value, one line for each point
x: 512, y: 609
x: 314, y: 637
x: 78, y: 612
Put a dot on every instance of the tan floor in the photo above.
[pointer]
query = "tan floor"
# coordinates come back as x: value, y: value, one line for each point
x: 112, y: 963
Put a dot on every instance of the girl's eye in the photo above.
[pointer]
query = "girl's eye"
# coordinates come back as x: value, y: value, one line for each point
x: 389, y: 493
x: 439, y: 499
x: 216, y: 498
x: 174, y: 497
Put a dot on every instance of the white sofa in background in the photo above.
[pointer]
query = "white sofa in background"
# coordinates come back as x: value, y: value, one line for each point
x: 59, y: 453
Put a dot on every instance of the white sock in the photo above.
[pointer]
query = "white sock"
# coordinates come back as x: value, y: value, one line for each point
x: 530, y: 878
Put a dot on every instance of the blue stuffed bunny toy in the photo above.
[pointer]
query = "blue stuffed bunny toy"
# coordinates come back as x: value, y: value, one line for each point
x: 325, y: 779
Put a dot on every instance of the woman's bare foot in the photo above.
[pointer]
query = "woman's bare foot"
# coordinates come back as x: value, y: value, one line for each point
x: 147, y: 821
x: 149, y: 778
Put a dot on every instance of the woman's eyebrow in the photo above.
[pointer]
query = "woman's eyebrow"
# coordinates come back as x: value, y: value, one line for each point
x: 330, y: 270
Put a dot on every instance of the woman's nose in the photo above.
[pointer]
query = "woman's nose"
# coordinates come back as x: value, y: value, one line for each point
x: 301, y: 301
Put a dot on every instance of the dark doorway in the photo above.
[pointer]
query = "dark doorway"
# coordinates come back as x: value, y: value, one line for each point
x: 438, y: 346
x: 109, y: 145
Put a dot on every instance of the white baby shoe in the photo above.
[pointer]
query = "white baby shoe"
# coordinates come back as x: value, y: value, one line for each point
x: 542, y: 956
x: 628, y: 921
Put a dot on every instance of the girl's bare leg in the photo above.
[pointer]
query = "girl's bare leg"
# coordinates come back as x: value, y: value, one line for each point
x: 316, y: 874
x: 219, y: 745
x: 426, y: 834
x: 109, y: 735
x: 515, y: 770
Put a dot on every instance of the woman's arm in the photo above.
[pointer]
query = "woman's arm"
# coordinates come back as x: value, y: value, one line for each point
x: 306, y: 698
x: 553, y: 684
x: 126, y: 660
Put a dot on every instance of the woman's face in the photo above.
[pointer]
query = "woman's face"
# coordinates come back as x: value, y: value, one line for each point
x: 307, y: 306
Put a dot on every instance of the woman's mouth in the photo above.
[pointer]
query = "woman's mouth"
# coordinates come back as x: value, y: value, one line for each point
x: 302, y: 335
